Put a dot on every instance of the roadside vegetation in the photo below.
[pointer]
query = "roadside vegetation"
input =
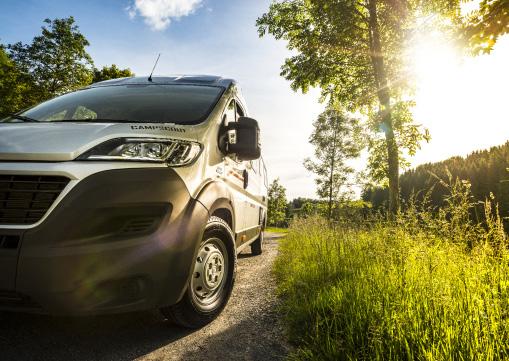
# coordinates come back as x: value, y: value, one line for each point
x: 277, y: 230
x: 429, y: 285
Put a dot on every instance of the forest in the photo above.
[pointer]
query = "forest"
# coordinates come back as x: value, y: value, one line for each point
x: 485, y: 170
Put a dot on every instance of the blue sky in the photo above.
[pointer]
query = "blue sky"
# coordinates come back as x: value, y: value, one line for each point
x: 464, y: 96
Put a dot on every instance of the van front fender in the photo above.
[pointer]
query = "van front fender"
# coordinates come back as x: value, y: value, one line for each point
x: 216, y: 195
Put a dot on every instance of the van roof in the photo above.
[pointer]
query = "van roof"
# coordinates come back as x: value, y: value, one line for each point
x: 210, y: 80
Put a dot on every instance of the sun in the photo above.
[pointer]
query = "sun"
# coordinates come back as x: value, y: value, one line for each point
x: 435, y: 67
x: 434, y: 59
x: 459, y: 98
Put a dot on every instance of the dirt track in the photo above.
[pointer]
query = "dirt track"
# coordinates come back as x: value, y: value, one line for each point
x: 248, y: 329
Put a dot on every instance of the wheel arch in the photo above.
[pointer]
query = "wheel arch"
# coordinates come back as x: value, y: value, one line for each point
x: 225, y: 214
x: 217, y: 199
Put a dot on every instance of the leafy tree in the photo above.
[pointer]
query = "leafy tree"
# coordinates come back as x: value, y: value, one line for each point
x: 13, y: 90
x: 297, y: 203
x: 485, y: 25
x: 56, y: 61
x: 336, y: 140
x: 354, y: 50
x: 111, y: 72
x: 305, y: 206
x: 308, y: 209
x: 277, y: 204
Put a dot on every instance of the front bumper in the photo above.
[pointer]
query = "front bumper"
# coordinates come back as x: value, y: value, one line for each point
x: 119, y: 240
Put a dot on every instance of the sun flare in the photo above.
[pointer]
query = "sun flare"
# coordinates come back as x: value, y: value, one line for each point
x: 433, y: 59
x: 458, y: 98
x: 435, y: 66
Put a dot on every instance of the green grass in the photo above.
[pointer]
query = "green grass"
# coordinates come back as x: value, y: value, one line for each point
x: 276, y: 230
x: 395, y: 291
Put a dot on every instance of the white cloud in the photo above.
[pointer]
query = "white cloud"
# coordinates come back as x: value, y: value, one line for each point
x: 159, y: 13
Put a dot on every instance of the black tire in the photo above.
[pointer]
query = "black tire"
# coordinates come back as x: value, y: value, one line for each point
x: 257, y: 246
x: 191, y: 311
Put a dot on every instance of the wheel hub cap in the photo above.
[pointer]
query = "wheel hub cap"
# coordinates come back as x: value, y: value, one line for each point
x: 209, y: 271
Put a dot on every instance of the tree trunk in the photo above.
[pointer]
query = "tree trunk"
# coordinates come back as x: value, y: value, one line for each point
x: 330, y: 191
x: 385, y: 107
x: 331, y: 179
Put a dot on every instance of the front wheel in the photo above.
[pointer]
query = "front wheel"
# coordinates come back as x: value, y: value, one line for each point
x: 211, y: 283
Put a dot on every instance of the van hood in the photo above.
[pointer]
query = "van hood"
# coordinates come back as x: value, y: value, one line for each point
x: 57, y: 142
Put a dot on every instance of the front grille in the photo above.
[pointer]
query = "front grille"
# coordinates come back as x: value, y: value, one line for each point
x: 26, y: 199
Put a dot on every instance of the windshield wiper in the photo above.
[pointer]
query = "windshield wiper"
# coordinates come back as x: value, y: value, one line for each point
x: 23, y: 118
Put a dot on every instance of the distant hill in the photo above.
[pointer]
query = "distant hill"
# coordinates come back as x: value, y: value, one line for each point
x: 486, y: 170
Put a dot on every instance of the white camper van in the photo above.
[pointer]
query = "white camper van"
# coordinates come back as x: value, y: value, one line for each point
x: 130, y: 194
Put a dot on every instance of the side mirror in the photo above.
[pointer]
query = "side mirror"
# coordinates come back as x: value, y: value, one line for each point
x: 243, y: 139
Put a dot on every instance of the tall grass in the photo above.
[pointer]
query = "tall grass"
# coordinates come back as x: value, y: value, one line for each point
x: 424, y: 287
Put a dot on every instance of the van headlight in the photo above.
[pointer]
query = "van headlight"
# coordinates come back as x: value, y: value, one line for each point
x: 174, y: 152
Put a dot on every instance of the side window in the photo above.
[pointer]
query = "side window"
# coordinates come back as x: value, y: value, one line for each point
x: 240, y: 112
x: 255, y: 166
x: 263, y: 169
x: 229, y: 114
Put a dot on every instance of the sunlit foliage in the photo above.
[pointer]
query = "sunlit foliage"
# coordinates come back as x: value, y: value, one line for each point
x: 424, y: 287
x: 486, y: 24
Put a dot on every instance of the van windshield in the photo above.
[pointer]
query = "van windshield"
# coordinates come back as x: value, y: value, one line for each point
x: 154, y: 103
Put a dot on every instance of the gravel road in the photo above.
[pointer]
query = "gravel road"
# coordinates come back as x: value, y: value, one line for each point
x: 248, y: 329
